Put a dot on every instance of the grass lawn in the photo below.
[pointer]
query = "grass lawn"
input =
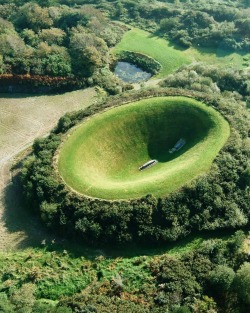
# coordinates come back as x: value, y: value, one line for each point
x: 171, y: 58
x: 219, y: 57
x: 137, y: 40
x: 101, y: 156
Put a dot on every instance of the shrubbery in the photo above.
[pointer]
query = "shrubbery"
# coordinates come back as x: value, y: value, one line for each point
x: 210, y: 79
x: 143, y: 61
x: 213, y: 276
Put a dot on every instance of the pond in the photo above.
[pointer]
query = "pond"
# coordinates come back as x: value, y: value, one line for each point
x: 130, y: 73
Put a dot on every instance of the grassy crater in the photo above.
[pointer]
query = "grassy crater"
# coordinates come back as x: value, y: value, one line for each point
x: 101, y: 157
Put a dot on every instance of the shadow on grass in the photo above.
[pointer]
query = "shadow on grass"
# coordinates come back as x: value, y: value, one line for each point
x: 158, y: 147
x: 19, y: 219
x: 171, y: 43
x: 219, y: 50
x: 160, y: 150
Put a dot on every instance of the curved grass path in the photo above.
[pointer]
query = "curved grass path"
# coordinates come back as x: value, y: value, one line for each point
x: 101, y: 157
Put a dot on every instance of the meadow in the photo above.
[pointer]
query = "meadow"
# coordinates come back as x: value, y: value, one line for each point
x: 171, y: 57
x: 137, y: 40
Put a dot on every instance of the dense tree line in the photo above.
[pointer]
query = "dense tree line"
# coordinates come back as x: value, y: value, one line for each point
x: 218, y: 199
x: 57, y: 41
x: 224, y: 24
x: 61, y: 38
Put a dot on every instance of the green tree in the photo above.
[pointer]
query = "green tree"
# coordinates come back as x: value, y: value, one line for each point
x: 246, y: 3
x: 52, y: 36
x: 221, y: 278
x: 48, y: 212
x: 6, y: 27
x: 88, y: 52
x: 181, y: 309
x: 5, y: 305
x: 205, y: 305
x: 32, y: 16
x: 241, y: 284
x: 167, y: 24
x: 30, y: 37
x: 245, y: 178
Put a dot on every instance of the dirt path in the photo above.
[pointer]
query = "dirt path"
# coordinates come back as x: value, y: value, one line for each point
x: 22, y: 119
x: 149, y: 83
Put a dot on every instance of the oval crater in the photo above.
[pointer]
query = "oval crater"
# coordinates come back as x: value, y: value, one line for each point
x: 102, y: 156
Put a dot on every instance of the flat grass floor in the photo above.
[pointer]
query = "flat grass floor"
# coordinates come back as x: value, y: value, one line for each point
x: 101, y: 156
x: 138, y: 40
x: 171, y: 57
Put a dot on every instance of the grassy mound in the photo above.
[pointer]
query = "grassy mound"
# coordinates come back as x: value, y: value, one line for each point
x: 102, y: 156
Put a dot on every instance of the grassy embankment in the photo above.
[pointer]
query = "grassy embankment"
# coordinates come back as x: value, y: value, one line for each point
x: 102, y: 156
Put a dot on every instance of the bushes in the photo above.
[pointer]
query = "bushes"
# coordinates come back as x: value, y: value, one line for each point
x: 201, y: 77
x: 31, y: 279
x: 38, y: 84
x: 143, y: 61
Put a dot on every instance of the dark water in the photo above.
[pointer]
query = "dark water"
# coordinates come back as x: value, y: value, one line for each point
x: 130, y: 73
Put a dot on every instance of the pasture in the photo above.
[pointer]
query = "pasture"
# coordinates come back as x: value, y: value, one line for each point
x: 101, y: 157
x: 137, y: 40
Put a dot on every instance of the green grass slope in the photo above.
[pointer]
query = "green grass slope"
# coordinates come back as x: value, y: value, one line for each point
x: 102, y: 156
x: 137, y: 40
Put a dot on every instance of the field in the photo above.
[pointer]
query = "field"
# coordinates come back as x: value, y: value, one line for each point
x: 218, y: 57
x: 172, y: 57
x: 102, y: 156
x: 137, y: 40
x: 22, y: 119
